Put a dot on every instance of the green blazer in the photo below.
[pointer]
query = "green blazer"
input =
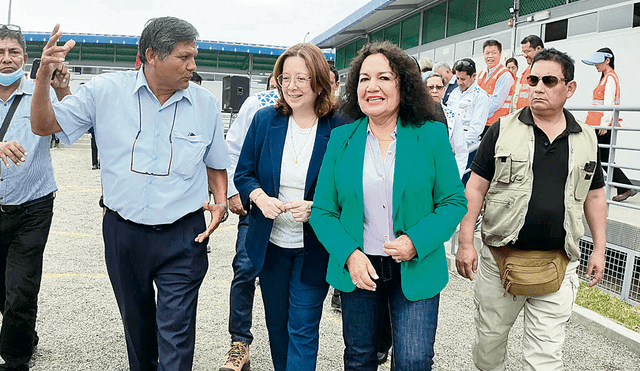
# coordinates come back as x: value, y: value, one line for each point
x: 428, y: 203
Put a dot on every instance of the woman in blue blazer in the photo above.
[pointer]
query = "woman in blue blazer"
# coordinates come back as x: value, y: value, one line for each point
x: 277, y: 172
x: 388, y: 197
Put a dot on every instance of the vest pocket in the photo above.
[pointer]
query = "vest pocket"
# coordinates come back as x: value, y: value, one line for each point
x: 583, y: 184
x: 510, y: 167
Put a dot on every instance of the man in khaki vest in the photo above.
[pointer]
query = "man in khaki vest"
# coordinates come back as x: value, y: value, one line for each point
x: 536, y: 171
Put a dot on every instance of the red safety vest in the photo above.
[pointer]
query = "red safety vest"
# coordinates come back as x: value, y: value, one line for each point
x: 523, y: 94
x: 595, y: 118
x: 489, y: 85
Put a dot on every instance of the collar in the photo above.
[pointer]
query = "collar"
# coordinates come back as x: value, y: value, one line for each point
x: 490, y: 71
x: 141, y: 81
x: 21, y: 89
x: 526, y: 117
x: 394, y: 133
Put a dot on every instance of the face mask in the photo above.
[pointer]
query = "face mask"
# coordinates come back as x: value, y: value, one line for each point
x: 7, y: 79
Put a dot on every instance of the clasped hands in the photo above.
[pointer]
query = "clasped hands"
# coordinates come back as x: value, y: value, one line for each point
x: 271, y: 207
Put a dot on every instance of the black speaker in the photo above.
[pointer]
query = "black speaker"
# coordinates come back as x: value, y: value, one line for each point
x: 235, y: 89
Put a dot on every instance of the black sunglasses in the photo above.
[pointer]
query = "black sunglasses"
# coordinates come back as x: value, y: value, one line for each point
x: 549, y: 81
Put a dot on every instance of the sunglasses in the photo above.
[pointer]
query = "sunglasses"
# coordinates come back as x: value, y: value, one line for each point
x: 549, y: 81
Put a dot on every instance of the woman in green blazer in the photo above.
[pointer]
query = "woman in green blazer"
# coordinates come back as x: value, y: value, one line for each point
x: 388, y: 197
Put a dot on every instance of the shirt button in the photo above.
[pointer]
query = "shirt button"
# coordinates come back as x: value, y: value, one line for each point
x: 546, y: 143
x: 384, y: 207
x: 146, y: 206
x: 155, y: 158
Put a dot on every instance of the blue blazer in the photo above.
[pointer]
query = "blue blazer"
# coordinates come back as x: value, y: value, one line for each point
x: 259, y: 167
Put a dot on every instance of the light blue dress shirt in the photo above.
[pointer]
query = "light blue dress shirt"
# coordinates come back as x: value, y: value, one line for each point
x: 181, y: 137
x: 34, y: 177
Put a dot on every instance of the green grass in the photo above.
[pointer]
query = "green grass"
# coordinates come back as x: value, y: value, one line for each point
x: 609, y: 306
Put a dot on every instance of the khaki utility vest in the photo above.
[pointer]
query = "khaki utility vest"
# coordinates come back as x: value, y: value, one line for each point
x: 507, y: 199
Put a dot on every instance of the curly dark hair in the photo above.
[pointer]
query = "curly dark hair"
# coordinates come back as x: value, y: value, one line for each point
x: 319, y: 72
x: 416, y: 105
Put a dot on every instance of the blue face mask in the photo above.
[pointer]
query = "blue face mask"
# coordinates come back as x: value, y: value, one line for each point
x: 7, y: 79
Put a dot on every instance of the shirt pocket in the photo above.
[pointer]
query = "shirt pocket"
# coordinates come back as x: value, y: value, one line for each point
x: 510, y: 167
x: 188, y: 153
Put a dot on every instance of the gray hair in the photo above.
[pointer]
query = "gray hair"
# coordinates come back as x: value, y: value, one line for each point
x: 14, y: 34
x: 162, y: 34
x: 440, y: 65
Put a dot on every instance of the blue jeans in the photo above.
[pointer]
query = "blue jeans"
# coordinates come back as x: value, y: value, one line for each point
x: 23, y: 235
x: 292, y: 309
x: 413, y: 322
x: 243, y: 287
x: 159, y: 336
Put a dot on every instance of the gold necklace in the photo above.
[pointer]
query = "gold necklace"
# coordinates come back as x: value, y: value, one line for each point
x: 297, y: 154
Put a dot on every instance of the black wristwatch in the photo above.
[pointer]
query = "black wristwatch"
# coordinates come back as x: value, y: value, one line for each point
x: 101, y: 201
x: 226, y: 212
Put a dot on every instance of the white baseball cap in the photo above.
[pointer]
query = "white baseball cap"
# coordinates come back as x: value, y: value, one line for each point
x: 596, y: 57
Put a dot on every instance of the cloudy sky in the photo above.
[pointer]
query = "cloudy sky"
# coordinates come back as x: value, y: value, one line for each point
x: 271, y: 22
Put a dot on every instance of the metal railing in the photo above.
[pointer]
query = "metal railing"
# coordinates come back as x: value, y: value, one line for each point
x: 613, y: 148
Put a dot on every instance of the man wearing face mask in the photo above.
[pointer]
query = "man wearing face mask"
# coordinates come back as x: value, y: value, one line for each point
x: 27, y: 189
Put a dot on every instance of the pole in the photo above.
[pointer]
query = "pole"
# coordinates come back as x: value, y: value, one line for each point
x: 304, y: 40
x: 515, y: 13
x: 9, y: 16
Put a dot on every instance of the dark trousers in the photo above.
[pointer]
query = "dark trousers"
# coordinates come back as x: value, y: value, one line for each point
x: 243, y: 287
x: 618, y: 175
x: 94, y: 151
x: 413, y: 323
x: 465, y: 178
x: 23, y: 235
x: 292, y: 309
x: 160, y: 336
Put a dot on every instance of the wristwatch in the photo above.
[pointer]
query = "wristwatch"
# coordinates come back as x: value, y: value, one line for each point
x: 226, y: 212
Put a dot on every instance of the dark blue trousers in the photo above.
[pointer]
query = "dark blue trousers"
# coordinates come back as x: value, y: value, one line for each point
x: 292, y: 310
x: 243, y: 287
x: 23, y: 235
x: 160, y: 335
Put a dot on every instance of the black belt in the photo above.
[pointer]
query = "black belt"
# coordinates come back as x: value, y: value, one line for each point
x: 13, y: 208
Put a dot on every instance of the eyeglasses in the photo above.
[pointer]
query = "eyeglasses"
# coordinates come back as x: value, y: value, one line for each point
x: 133, y: 147
x: 435, y: 87
x: 11, y: 27
x: 301, y: 81
x: 549, y: 81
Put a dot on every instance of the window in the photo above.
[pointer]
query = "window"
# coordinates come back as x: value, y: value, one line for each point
x: 377, y: 36
x: 392, y: 33
x: 636, y: 14
x: 556, y: 31
x: 340, y: 62
x: 532, y: 6
x: 434, y: 22
x: 462, y: 16
x: 410, y: 32
x: 493, y: 11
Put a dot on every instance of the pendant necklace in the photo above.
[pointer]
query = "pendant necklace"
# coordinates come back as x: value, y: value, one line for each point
x: 297, y: 154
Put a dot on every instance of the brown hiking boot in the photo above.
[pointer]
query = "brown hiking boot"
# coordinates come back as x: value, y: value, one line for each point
x: 237, y: 358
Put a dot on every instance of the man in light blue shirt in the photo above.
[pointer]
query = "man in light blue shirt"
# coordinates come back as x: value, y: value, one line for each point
x: 27, y: 189
x: 162, y: 151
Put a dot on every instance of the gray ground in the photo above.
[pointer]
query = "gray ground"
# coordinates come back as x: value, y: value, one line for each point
x: 80, y: 327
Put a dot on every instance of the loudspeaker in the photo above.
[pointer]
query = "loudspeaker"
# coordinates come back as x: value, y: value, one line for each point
x: 235, y: 89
